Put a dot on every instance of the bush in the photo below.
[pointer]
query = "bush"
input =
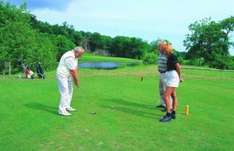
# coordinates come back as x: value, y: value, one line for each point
x: 197, y: 62
x: 222, y: 62
x: 180, y: 60
x: 150, y: 58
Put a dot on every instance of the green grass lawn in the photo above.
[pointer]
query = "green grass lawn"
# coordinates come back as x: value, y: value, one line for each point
x: 126, y: 118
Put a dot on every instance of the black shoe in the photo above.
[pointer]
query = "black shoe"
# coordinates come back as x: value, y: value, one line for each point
x: 160, y: 106
x: 166, y: 118
x: 173, y: 115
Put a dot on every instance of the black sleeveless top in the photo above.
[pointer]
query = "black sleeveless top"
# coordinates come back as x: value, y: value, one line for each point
x: 171, y: 62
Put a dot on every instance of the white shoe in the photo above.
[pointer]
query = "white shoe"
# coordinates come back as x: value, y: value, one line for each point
x: 70, y: 109
x: 64, y: 113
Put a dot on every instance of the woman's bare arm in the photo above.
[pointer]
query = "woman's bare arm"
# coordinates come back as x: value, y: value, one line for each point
x: 178, y: 70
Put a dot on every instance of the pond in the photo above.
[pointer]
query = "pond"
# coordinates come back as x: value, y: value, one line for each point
x: 99, y: 65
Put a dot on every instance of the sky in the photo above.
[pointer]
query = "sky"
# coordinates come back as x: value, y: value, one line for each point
x: 147, y: 19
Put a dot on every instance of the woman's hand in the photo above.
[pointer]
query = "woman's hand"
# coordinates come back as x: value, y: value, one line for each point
x: 181, y: 79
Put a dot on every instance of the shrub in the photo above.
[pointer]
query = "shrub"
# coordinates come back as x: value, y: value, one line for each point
x: 150, y: 58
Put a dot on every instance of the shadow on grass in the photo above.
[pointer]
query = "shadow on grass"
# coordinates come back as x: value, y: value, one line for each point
x: 131, y: 104
x: 133, y: 108
x: 42, y: 107
x: 138, y: 105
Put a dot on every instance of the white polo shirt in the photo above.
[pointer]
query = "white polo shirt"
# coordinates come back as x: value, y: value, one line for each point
x: 67, y: 62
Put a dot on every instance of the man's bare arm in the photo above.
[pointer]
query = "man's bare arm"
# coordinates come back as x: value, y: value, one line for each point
x: 75, y: 77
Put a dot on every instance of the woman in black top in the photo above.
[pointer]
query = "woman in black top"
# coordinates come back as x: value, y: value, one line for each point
x: 172, y: 80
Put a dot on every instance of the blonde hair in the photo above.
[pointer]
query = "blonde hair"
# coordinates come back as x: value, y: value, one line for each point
x: 166, y: 47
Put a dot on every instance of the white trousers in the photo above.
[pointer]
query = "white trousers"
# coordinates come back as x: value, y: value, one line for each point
x: 162, y: 88
x: 66, y: 91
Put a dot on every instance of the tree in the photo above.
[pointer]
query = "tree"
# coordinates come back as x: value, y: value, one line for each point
x: 128, y: 47
x: 228, y: 27
x: 207, y: 40
x: 20, y: 42
x: 17, y: 37
x: 95, y: 42
x: 62, y: 45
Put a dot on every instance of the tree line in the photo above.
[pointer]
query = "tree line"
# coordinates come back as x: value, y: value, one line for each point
x: 25, y: 39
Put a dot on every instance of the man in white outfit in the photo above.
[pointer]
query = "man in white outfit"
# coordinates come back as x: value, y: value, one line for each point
x: 66, y: 73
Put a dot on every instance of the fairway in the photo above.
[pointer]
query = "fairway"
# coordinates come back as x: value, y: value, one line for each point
x: 116, y: 111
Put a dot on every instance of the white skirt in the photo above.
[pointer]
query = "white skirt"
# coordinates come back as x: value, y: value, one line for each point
x: 172, y: 79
